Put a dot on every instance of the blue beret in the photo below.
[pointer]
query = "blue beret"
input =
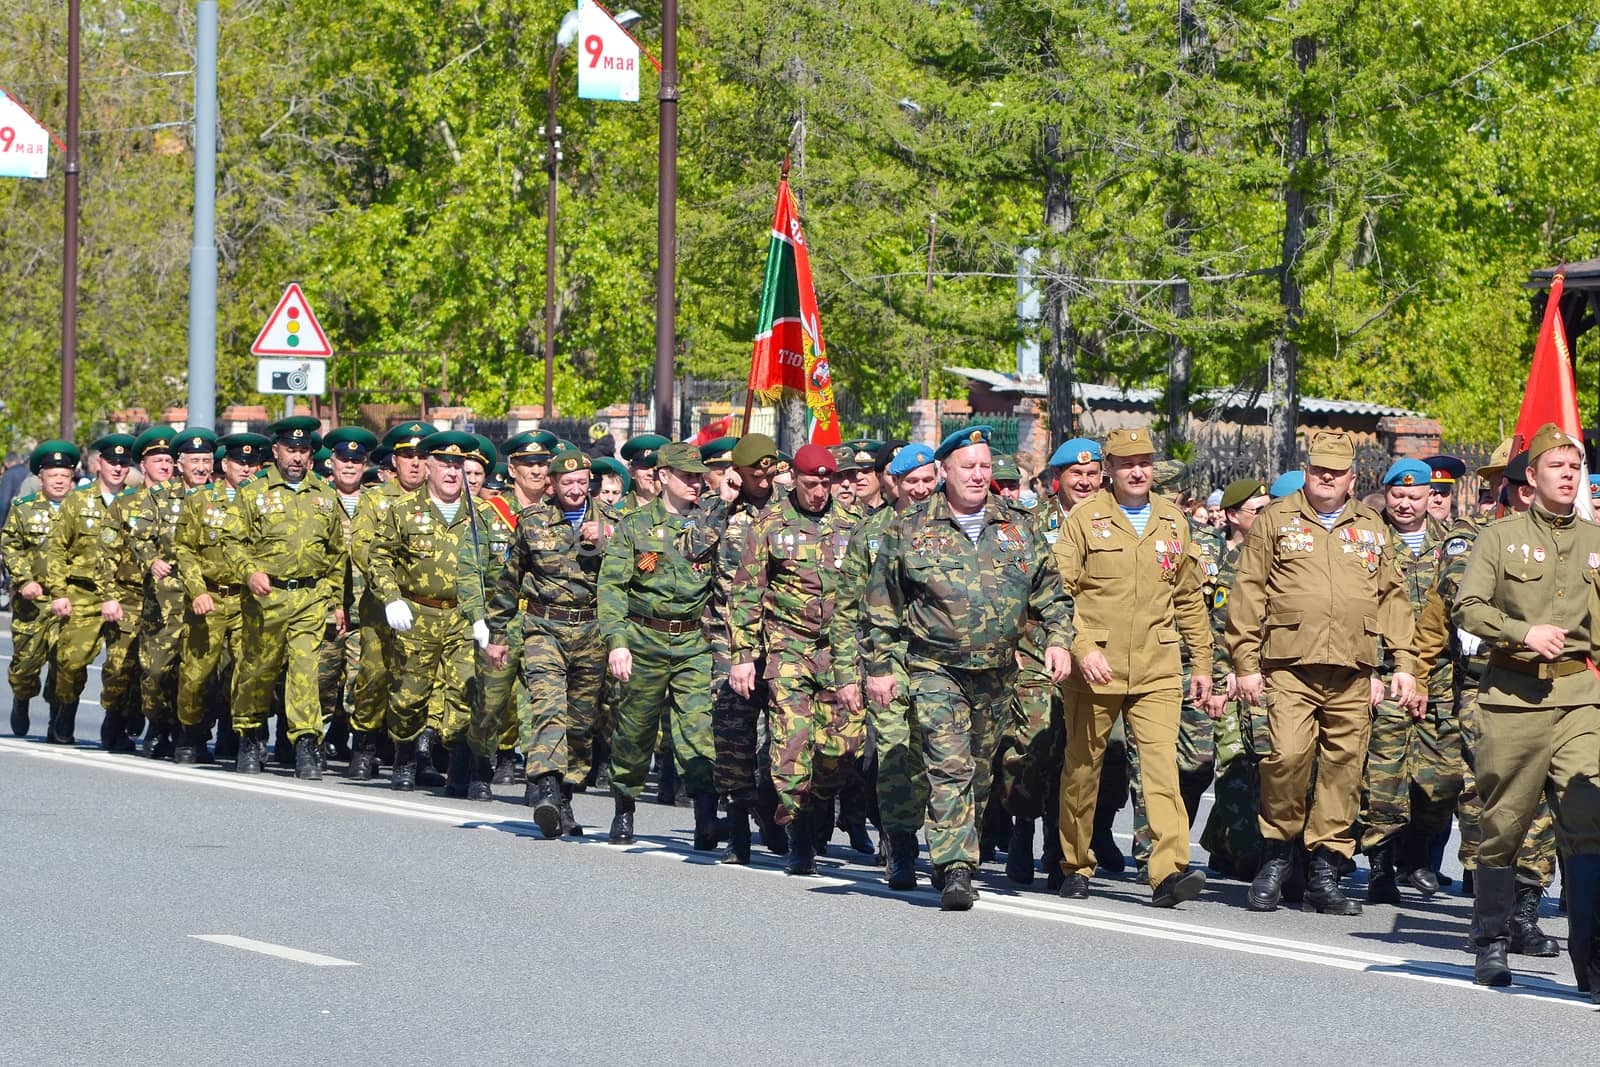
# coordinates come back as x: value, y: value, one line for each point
x: 1077, y: 450
x: 1407, y: 472
x: 1594, y: 483
x: 1292, y: 482
x: 909, y: 459
x: 977, y: 434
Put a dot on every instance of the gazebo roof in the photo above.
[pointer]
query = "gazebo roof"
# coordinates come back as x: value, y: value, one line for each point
x: 1583, y: 276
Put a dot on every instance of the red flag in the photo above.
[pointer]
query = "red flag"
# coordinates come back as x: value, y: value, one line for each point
x: 711, y: 431
x: 790, y: 359
x: 1552, y: 396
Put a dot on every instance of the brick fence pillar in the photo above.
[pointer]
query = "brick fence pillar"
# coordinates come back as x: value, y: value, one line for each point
x: 1409, y: 438
x: 1033, y: 435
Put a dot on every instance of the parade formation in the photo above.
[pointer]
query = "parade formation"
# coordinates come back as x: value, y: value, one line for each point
x: 889, y: 637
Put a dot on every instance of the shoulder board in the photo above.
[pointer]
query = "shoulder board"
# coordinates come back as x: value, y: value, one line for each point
x: 26, y: 499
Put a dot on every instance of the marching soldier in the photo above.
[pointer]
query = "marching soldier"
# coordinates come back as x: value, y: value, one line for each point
x: 640, y: 454
x: 290, y: 555
x: 948, y: 592
x: 655, y: 580
x: 89, y: 612
x: 413, y: 563
x: 1317, y: 587
x: 340, y: 658
x: 546, y: 590
x: 1130, y: 564
x: 718, y: 458
x: 212, y: 648
x: 24, y: 545
x: 782, y: 596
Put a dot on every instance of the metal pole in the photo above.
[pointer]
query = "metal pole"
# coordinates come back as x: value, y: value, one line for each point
x: 551, y: 159
x: 203, y: 254
x: 69, y: 237
x: 667, y: 222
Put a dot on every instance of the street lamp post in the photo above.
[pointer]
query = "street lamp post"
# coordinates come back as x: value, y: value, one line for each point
x: 667, y: 221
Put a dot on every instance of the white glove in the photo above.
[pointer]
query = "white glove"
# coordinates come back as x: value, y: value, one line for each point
x: 480, y: 633
x: 1470, y: 643
x: 399, y: 615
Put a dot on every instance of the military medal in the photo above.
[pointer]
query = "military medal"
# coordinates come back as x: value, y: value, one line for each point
x: 1538, y: 553
x: 647, y: 562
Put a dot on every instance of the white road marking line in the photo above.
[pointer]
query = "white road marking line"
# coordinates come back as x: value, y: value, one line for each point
x: 1031, y: 907
x: 283, y: 952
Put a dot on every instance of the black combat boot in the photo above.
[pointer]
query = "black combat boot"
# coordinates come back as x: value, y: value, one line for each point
x: 227, y: 749
x: 821, y: 823
x: 480, y: 786
x: 666, y: 781
x: 1415, y: 861
x: 546, y: 791
x: 1322, y: 887
x: 705, y: 822
x: 62, y: 725
x: 336, y: 740
x: 19, y: 717
x: 363, y: 757
x: 802, y: 845
x: 307, y: 760
x: 190, y: 745
x: 432, y: 758
x: 1267, y: 888
x: 282, y: 747
x: 251, y: 752
x: 458, y: 776
x: 1381, y: 885
x: 1491, y: 914
x: 738, y: 850
x: 774, y: 838
x: 159, y: 740
x: 1019, y: 852
x: 1526, y: 937
x: 1582, y: 879
x: 622, y: 822
x: 403, y: 773
x: 957, y: 894
x: 1294, y: 886
x: 856, y: 829
x: 902, y: 867
x: 1178, y: 887
x: 570, y: 826
x: 505, y: 768
x: 1107, y: 853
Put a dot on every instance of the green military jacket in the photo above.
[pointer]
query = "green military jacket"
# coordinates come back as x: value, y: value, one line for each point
x: 1307, y: 596
x: 960, y: 604
x: 658, y: 565
x: 75, y: 548
x: 481, y: 560
x: 731, y: 521
x: 1221, y: 590
x: 25, y: 539
x: 549, y: 563
x: 289, y: 534
x: 786, y: 584
x: 139, y: 533
x: 1419, y: 573
x: 370, y: 513
x: 846, y: 630
x: 206, y: 522
x: 417, y: 550
x: 1524, y: 570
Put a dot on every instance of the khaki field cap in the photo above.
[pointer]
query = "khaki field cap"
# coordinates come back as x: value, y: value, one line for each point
x: 1129, y: 443
x: 682, y: 457
x: 1332, y: 450
x: 1551, y: 436
x: 1241, y: 492
x: 755, y: 450
x: 1491, y: 471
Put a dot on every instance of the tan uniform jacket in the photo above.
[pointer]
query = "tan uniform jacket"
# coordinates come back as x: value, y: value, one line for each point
x: 1306, y: 596
x: 1133, y: 595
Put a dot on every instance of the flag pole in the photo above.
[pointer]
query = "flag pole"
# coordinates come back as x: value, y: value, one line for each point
x: 749, y: 388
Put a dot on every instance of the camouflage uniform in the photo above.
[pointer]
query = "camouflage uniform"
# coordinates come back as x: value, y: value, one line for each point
x: 546, y: 589
x: 374, y: 639
x: 735, y: 720
x: 295, y: 537
x: 495, y: 696
x: 902, y: 778
x: 951, y: 612
x: 24, y: 545
x: 212, y: 650
x: 74, y: 572
x: 783, y: 593
x: 655, y: 580
x: 414, y: 558
x: 339, y: 661
x: 1032, y: 731
x: 139, y: 534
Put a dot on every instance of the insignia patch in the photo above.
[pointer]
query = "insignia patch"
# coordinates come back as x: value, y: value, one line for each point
x: 647, y: 562
x: 1538, y: 553
x: 1455, y: 546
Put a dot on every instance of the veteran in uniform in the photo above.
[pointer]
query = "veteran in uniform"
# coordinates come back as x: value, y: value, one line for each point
x: 1317, y: 587
x: 1530, y: 593
x: 24, y: 545
x: 340, y: 659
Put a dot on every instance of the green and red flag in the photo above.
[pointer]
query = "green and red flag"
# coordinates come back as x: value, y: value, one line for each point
x: 790, y: 360
x: 1552, y: 395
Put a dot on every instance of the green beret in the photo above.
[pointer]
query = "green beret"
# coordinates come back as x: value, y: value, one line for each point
x: 1240, y: 491
x: 53, y: 454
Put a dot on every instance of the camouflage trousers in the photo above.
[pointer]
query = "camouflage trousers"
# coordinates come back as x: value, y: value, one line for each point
x: 1152, y: 723
x: 338, y: 663
x: 280, y: 640
x: 897, y: 741
x: 1536, y: 858
x: 814, y: 741
x: 374, y: 642
x: 1232, y: 833
x: 563, y: 665
x: 212, y: 651
x: 960, y: 714
x: 160, y: 641
x: 78, y: 641
x: 33, y: 645
x: 735, y: 728
x: 432, y: 664
x: 1031, y: 734
x: 1196, y: 767
x: 1409, y: 757
x: 671, y: 674
x: 497, y: 697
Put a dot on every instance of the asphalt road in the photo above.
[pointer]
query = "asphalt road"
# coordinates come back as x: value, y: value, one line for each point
x: 187, y: 915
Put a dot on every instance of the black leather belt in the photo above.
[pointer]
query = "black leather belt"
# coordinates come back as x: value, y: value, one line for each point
x: 294, y: 583
x: 554, y: 614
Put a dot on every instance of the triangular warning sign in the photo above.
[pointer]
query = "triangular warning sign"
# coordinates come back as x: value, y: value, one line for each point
x: 292, y: 330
